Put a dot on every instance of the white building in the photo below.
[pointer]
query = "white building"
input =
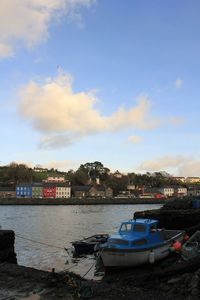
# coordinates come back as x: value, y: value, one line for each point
x: 55, y: 179
x: 180, y: 191
x: 193, y: 179
x: 63, y: 190
x: 40, y: 170
x: 167, y: 191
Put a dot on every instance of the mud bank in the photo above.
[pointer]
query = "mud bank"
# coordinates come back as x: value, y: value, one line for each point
x: 152, y: 282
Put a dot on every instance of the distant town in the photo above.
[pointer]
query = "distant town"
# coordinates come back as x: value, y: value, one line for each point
x: 91, y: 180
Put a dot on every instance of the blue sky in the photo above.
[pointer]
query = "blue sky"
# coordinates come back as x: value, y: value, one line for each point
x: 112, y: 81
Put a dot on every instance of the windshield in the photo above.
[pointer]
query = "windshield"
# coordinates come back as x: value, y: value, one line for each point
x: 126, y: 227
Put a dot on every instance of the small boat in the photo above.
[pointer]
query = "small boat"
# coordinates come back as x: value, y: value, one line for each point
x: 191, y: 247
x: 90, y: 244
x: 138, y: 242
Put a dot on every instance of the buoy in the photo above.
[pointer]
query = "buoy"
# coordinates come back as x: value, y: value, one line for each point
x: 177, y: 246
x: 151, y: 257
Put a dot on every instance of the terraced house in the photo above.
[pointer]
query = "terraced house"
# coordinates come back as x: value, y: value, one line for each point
x: 92, y: 191
x: 24, y: 190
x: 63, y: 190
x: 37, y: 190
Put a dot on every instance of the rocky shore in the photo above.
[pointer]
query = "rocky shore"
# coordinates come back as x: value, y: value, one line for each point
x: 173, y: 281
x: 172, y: 278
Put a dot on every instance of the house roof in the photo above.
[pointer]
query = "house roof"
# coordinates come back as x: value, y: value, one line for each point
x: 151, y: 190
x: 56, y: 184
x: 81, y: 188
x: 86, y: 188
x: 7, y: 189
x: 25, y: 184
x: 37, y: 184
x: 100, y: 188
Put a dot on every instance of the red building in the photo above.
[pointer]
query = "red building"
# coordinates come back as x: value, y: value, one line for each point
x: 49, y: 191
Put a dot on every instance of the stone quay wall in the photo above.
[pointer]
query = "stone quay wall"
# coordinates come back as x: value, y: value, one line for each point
x: 7, y: 246
x: 81, y: 201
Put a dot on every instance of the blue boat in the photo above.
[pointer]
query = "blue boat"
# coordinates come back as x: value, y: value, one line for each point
x: 138, y: 242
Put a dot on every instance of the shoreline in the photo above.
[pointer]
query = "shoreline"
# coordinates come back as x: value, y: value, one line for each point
x: 83, y: 201
x: 171, y: 278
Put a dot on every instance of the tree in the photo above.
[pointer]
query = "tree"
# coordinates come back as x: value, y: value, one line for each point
x: 96, y: 170
x: 118, y: 184
x: 19, y: 173
x: 81, y: 176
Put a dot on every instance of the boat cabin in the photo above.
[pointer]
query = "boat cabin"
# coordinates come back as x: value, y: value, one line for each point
x: 137, y: 233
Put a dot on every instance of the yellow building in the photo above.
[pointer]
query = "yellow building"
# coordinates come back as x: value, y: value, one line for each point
x: 193, y: 179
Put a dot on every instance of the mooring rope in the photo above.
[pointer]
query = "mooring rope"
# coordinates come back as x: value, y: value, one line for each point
x: 58, y: 247
x: 42, y: 243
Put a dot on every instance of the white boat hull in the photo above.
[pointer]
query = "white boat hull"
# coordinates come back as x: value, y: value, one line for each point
x: 113, y: 257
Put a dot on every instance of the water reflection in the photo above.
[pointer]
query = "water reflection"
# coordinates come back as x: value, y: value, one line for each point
x: 58, y: 226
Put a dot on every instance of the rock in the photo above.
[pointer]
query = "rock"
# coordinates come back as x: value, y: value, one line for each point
x: 174, y: 280
x: 195, y: 291
x: 194, y: 282
x: 7, y: 252
x: 173, y: 219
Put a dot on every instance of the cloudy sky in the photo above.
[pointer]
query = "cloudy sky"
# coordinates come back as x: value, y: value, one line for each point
x: 115, y: 81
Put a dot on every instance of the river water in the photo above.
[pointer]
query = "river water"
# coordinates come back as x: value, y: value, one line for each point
x: 42, y: 232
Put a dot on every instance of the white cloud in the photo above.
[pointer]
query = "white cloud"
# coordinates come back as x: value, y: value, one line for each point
x: 5, y: 50
x: 190, y: 168
x: 178, y: 83
x: 56, y: 141
x: 134, y: 139
x: 162, y: 163
x: 137, y: 117
x: 62, y: 165
x: 27, y: 22
x: 178, y: 165
x: 54, y: 109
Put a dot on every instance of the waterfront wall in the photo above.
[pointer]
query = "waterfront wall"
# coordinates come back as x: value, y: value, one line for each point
x: 82, y: 201
x: 7, y: 246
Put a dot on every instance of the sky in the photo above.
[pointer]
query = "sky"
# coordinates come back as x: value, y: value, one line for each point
x: 113, y: 81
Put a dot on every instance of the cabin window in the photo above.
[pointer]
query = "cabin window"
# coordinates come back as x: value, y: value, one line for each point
x: 126, y: 227
x: 139, y: 228
x: 118, y: 242
x: 139, y: 242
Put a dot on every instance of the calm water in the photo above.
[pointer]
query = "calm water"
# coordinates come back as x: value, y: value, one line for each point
x: 58, y: 226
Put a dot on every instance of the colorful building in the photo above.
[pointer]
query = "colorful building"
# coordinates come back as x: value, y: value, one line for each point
x: 49, y: 190
x: 24, y: 190
x: 63, y: 190
x: 37, y: 190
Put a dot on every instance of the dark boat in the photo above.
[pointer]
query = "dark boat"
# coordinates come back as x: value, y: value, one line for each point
x: 90, y: 244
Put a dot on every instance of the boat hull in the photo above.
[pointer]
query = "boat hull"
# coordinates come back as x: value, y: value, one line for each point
x: 83, y: 248
x: 113, y: 257
x: 89, y: 245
